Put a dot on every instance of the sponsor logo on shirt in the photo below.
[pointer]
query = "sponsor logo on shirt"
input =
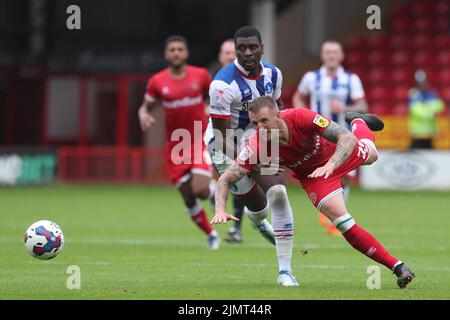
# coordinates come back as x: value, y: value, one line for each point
x: 185, y: 102
x: 218, y: 108
x: 165, y: 90
x: 308, y: 155
x: 321, y: 121
x: 246, y: 94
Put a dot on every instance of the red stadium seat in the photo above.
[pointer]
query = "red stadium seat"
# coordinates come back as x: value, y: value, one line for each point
x: 421, y: 8
x: 423, y: 58
x: 378, y: 76
x: 422, y: 41
x: 443, y: 58
x: 400, y: 94
x: 401, y: 58
x: 357, y: 43
x: 400, y: 10
x: 401, y: 25
x: 443, y: 77
x: 441, y: 41
x: 423, y: 25
x: 360, y: 70
x: 400, y: 109
x: 378, y: 41
x: 402, y: 76
x: 444, y: 94
x: 441, y: 25
x: 378, y: 58
x: 399, y: 41
x: 442, y: 7
x: 379, y: 108
x: 379, y: 94
x: 355, y: 58
x: 432, y: 75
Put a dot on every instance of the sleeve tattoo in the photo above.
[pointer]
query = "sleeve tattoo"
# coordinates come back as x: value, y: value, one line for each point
x: 232, y: 175
x: 345, y: 143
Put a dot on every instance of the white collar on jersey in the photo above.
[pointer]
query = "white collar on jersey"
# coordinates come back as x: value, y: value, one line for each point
x: 340, y: 70
x: 241, y: 68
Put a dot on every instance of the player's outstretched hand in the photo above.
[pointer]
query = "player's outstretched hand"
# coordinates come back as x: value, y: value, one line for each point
x: 324, y: 171
x: 146, y: 121
x: 223, y: 218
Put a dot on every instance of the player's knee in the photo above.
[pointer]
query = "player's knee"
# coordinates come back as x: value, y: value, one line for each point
x: 329, y: 210
x: 277, y: 195
x: 201, y: 192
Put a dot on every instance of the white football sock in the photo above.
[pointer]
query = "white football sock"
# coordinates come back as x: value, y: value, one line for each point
x: 212, y: 190
x: 283, y: 224
x: 257, y: 217
x: 194, y: 210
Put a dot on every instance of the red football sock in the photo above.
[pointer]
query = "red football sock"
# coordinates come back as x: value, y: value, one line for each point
x: 198, y: 215
x: 361, y: 130
x: 365, y: 243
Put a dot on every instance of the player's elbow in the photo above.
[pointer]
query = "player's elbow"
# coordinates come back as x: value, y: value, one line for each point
x: 348, y: 139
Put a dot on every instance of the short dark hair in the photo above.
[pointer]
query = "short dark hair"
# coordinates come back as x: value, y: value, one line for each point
x: 175, y: 38
x: 247, y: 31
x: 261, y: 102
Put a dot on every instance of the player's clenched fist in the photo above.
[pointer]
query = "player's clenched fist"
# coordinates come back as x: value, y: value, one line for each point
x: 223, y: 218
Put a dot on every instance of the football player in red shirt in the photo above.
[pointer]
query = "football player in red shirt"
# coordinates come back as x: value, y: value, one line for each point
x: 319, y: 153
x: 181, y: 89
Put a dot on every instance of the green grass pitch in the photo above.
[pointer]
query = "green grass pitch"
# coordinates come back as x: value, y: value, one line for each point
x: 136, y: 242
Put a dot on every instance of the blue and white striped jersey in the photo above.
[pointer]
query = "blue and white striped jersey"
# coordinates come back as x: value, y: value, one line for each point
x: 346, y: 87
x: 232, y: 90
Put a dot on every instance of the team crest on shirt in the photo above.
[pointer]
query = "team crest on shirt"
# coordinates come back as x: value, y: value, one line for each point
x: 217, y: 95
x: 268, y: 87
x: 165, y: 90
x: 313, y: 197
x: 321, y: 121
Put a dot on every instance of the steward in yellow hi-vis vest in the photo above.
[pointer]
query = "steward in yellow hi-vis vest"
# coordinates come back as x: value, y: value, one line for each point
x: 424, y: 107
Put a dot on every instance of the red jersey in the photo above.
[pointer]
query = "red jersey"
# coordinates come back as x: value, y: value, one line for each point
x: 182, y: 98
x: 307, y: 149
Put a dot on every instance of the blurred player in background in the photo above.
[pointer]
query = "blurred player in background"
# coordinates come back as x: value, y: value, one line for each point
x: 181, y: 89
x: 424, y: 107
x: 227, y: 55
x: 319, y: 153
x: 331, y: 91
x: 231, y: 92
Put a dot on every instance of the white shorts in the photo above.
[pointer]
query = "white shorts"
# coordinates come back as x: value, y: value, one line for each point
x: 221, y: 162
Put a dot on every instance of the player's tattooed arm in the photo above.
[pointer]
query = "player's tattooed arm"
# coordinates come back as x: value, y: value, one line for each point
x: 232, y: 175
x: 345, y: 143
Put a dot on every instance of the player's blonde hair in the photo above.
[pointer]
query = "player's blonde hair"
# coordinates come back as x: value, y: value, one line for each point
x: 261, y: 102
